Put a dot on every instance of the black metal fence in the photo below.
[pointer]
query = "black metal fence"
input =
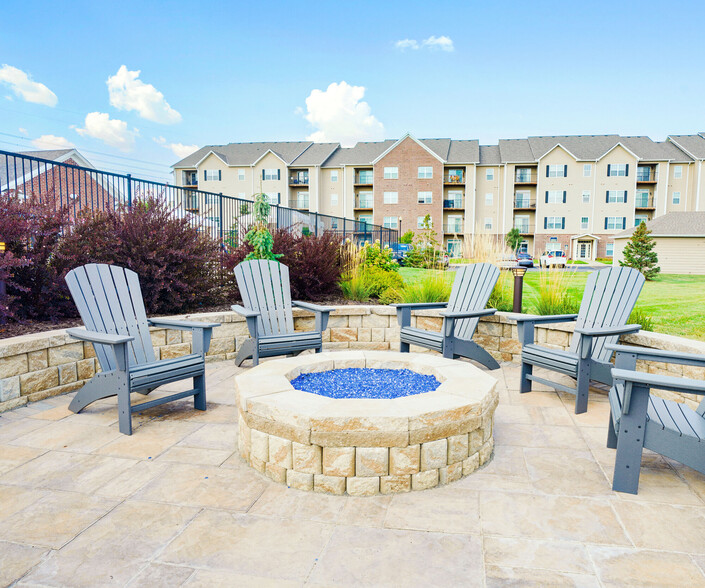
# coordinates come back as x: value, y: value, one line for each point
x: 225, y: 218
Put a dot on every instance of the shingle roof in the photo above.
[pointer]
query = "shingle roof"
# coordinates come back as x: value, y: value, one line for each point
x: 693, y: 144
x: 516, y: 151
x: 52, y: 154
x: 248, y: 153
x: 12, y: 167
x: 584, y: 147
x: 650, y: 150
x: 439, y: 146
x: 361, y: 154
x: 489, y: 155
x: 465, y: 151
x: 316, y: 154
x: 682, y: 224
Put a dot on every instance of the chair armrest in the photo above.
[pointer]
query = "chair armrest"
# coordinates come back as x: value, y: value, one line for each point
x: 246, y: 312
x: 660, y: 355
x: 607, y: 331
x: 419, y: 305
x: 312, y: 307
x: 548, y: 318
x: 673, y: 383
x: 469, y: 314
x: 182, y: 325
x: 100, y: 338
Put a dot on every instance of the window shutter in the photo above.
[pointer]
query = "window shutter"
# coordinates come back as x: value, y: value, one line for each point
x: 205, y: 174
x: 608, y: 169
x: 263, y: 174
x: 605, y: 223
x: 545, y: 222
x: 547, y: 170
x: 626, y: 170
x: 220, y: 175
x: 562, y: 222
x: 607, y: 196
x: 279, y: 174
x: 625, y: 196
x: 546, y: 196
x: 624, y: 222
x: 565, y: 171
x: 564, y: 196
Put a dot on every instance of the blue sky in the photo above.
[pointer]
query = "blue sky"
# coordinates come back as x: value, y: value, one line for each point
x: 243, y: 72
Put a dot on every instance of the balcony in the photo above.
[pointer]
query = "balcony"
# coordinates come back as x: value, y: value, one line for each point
x: 644, y: 202
x: 299, y: 179
x: 364, y: 202
x: 299, y: 203
x: 363, y: 178
x: 525, y: 229
x: 524, y: 203
x: 190, y: 179
x: 453, y: 228
x: 454, y: 204
x: 454, y: 177
x: 525, y: 176
x: 646, y: 175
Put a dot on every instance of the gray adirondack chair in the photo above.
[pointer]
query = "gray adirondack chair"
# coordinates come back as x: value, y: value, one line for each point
x: 109, y: 300
x: 266, y: 295
x: 471, y: 290
x: 608, y: 300
x: 639, y: 419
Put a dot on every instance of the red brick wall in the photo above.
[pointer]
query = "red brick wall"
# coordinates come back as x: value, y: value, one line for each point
x: 408, y: 156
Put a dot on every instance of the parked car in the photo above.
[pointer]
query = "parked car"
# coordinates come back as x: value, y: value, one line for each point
x: 525, y: 260
x: 507, y: 261
x: 399, y: 251
x: 551, y: 259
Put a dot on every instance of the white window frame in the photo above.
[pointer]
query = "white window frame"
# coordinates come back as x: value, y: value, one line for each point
x: 270, y: 173
x: 556, y: 170
x: 241, y: 175
x: 609, y: 249
x: 619, y: 168
x: 489, y: 174
x: 552, y: 225
x: 391, y: 173
x: 367, y: 194
x: 419, y: 221
x: 584, y: 223
x: 640, y: 217
x: 391, y: 197
x: 334, y: 200
x: 390, y: 222
x: 613, y: 196
x: 587, y: 170
x: 366, y: 218
x: 676, y: 198
x: 617, y: 226
x: 489, y: 199
x: 587, y: 195
x: 273, y: 197
x: 334, y: 175
x: 554, y: 197
x: 424, y: 197
x: 425, y: 172
x: 677, y: 172
x: 212, y: 175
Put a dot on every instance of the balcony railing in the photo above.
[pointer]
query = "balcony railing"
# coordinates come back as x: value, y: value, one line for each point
x: 453, y: 228
x: 453, y: 178
x: 524, y: 228
x: 364, y: 202
x: 644, y: 201
x: 524, y: 203
x: 190, y: 179
x: 646, y: 174
x: 363, y: 178
x: 298, y: 180
x: 299, y: 204
x: 453, y: 203
x: 525, y: 177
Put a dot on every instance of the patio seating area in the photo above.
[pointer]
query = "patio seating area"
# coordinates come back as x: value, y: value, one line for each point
x: 174, y: 504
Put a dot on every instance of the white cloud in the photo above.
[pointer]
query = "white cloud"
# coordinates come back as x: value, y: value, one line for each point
x: 128, y: 92
x: 433, y: 43
x: 339, y: 114
x: 443, y: 43
x: 404, y: 44
x: 178, y: 149
x: 52, y: 142
x: 26, y: 88
x: 22, y: 130
x: 113, y: 132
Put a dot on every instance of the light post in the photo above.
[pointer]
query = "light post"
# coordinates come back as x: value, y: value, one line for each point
x: 518, y: 272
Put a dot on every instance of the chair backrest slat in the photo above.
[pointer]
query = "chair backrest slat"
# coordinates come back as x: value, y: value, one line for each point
x: 264, y: 286
x: 104, y: 296
x: 471, y: 290
x: 608, y: 300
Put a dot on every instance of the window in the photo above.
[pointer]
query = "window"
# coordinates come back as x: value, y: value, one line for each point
x: 334, y: 223
x: 391, y: 197
x: 642, y: 199
x: 364, y: 176
x: 553, y: 245
x: 271, y: 174
x: 334, y: 200
x: 365, y: 218
x: 454, y: 247
x: 489, y: 173
x: 272, y: 197
x: 586, y: 196
x: 334, y: 175
x: 488, y: 199
x: 425, y: 173
x: 241, y: 195
x: 523, y: 247
x: 454, y: 199
x: 609, y: 250
x: 523, y: 175
x: 677, y: 172
x: 391, y: 222
x: 619, y: 170
x: 419, y: 222
x: 616, y: 196
x: 522, y: 199
x: 587, y: 170
x: 556, y: 171
x: 391, y: 173
x: 241, y: 174
x: 425, y: 197
x: 676, y: 198
x: 554, y: 222
x: 212, y: 175
x: 455, y: 224
x: 615, y: 222
x: 555, y: 196
x: 584, y: 222
x: 522, y: 223
x: 639, y: 218
x: 644, y: 173
x: 302, y: 200
x: 365, y: 200
x: 488, y: 224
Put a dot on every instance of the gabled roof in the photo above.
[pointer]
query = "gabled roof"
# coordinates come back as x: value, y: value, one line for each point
x: 693, y: 145
x: 516, y: 151
x: 436, y: 143
x: 649, y: 150
x: 489, y: 155
x: 440, y: 147
x: 673, y: 224
x: 244, y: 154
x: 582, y: 147
x: 12, y: 169
x: 361, y: 154
x: 316, y: 154
x: 464, y: 151
x: 623, y: 146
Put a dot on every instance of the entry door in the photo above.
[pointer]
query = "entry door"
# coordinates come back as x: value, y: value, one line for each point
x: 584, y: 250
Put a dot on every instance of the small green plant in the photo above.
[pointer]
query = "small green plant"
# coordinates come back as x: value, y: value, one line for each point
x: 259, y: 236
x: 434, y: 287
x: 355, y: 288
x: 552, y: 295
x: 501, y: 297
x: 639, y: 317
x: 639, y: 252
x: 373, y: 255
x: 407, y: 238
x: 513, y: 239
x: 379, y: 281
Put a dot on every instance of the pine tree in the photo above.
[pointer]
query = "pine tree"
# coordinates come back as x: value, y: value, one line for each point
x: 639, y: 253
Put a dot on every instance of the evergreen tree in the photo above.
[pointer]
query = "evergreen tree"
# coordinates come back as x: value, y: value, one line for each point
x: 513, y: 239
x: 639, y: 253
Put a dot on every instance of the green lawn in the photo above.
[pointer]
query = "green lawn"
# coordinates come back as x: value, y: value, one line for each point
x: 675, y: 303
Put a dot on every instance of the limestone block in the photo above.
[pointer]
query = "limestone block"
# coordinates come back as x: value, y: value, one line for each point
x: 471, y: 464
x: 299, y: 480
x: 9, y: 388
x: 41, y: 380
x: 424, y: 480
x: 173, y: 337
x: 487, y: 342
x: 360, y: 438
x: 429, y: 323
x: 69, y: 353
x: 14, y: 403
x: 85, y: 369
x: 305, y: 323
x: 13, y: 365
x: 392, y: 334
x: 337, y: 321
x: 362, y: 486
x: 404, y: 460
x: 38, y: 360
x: 375, y: 321
x: 172, y: 351
x: 509, y: 346
x: 275, y: 472
x: 339, y: 461
x: 307, y: 458
x: 259, y: 445
x: 558, y: 338
x: 486, y: 451
x: 364, y: 335
x: 487, y: 328
x: 369, y: 345
x: 336, y: 345
x: 243, y: 438
x: 355, y: 321
x: 49, y: 392
x: 343, y: 334
x: 394, y: 484
x: 450, y: 473
x: 475, y: 441
x: 258, y: 464
x: 377, y: 334
x: 67, y: 373
x: 434, y: 454
x: 329, y: 484
x: 221, y: 345
x: 278, y: 429
x: 457, y: 448
x: 158, y: 337
x: 280, y: 451
x: 371, y: 461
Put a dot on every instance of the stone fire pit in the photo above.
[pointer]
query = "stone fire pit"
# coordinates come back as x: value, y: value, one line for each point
x: 365, y: 446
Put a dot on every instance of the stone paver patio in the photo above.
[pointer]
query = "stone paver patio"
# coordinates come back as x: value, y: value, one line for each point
x: 172, y: 505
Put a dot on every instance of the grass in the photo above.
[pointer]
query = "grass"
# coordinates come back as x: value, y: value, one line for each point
x: 675, y: 303
x: 577, y: 261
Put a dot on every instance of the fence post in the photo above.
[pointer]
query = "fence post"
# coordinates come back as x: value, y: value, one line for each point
x: 220, y: 216
x: 129, y: 191
x: 315, y: 226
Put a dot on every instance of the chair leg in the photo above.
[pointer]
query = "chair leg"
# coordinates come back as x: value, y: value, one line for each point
x: 199, y: 399
x: 525, y: 384
x: 124, y: 410
x: 404, y: 347
x: 583, y: 387
x: 473, y: 351
x: 246, y: 351
x: 630, y: 445
x: 100, y: 386
x: 611, y: 434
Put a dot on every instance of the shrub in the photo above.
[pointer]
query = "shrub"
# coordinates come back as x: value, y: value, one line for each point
x: 31, y: 230
x: 639, y: 317
x: 379, y: 281
x: 552, y: 296
x: 355, y: 288
x: 407, y: 237
x: 177, y: 265
x: 502, y: 296
x: 259, y: 236
x: 374, y: 255
x: 433, y: 287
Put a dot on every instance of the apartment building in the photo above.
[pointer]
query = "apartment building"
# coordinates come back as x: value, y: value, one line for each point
x: 572, y: 193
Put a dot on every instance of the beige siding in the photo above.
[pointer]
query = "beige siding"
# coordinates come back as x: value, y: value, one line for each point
x: 676, y: 255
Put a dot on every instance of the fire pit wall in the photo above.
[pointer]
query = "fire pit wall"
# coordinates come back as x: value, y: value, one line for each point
x: 37, y: 366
